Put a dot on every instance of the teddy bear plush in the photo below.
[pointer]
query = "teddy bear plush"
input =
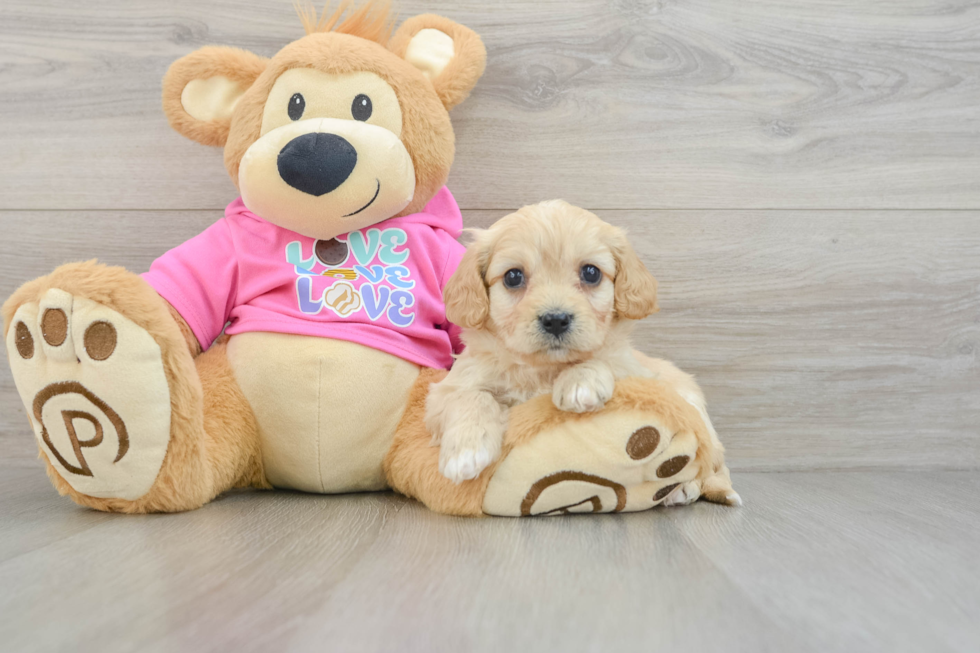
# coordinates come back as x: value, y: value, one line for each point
x: 292, y: 343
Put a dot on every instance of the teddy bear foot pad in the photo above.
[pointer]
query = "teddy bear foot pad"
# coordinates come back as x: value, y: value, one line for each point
x: 96, y: 392
x: 614, y: 462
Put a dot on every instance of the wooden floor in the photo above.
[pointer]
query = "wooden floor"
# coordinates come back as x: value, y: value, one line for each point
x: 819, y: 561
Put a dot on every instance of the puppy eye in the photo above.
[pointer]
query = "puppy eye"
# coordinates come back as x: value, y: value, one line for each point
x: 513, y: 278
x: 591, y: 275
x: 362, y: 108
x: 297, y: 105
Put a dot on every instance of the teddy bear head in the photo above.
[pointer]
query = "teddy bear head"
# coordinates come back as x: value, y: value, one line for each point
x: 344, y: 128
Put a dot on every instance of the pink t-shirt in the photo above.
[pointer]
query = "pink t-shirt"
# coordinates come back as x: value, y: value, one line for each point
x: 380, y: 286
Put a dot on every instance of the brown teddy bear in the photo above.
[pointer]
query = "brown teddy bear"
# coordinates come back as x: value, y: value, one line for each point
x: 292, y: 343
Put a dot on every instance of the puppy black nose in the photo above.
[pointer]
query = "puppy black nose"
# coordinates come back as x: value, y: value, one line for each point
x: 555, y: 323
x: 316, y: 163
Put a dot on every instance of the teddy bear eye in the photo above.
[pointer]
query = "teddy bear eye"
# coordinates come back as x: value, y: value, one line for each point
x: 361, y: 109
x: 297, y: 104
x: 591, y: 275
x: 513, y: 278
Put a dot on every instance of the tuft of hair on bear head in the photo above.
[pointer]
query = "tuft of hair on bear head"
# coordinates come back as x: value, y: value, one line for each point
x: 372, y: 20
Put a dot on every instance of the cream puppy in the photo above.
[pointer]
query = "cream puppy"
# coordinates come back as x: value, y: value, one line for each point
x: 546, y: 299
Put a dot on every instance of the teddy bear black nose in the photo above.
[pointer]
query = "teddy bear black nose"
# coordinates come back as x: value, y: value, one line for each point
x: 316, y: 163
x: 555, y: 323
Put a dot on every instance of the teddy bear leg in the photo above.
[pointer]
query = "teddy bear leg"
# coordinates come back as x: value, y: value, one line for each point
x: 231, y: 432
x: 649, y: 446
x: 112, y: 392
x: 717, y: 487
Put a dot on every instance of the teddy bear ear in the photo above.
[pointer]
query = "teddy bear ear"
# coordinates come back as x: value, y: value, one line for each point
x: 450, y: 55
x: 201, y: 90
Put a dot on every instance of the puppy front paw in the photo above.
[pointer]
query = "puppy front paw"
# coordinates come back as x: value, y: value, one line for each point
x: 580, y: 390
x: 684, y: 494
x: 465, y: 452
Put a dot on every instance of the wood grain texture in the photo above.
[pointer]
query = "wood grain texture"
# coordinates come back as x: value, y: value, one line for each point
x: 822, y: 339
x: 878, y: 561
x: 607, y: 103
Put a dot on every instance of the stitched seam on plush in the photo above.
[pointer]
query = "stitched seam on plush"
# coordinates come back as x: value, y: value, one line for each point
x: 170, y: 292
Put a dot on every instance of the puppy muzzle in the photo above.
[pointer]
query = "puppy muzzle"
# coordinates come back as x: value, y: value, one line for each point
x: 555, y: 324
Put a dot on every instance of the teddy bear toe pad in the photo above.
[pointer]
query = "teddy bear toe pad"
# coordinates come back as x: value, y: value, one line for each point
x: 94, y: 387
x: 612, y: 462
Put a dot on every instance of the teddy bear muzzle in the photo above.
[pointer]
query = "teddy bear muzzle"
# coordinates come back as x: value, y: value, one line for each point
x: 325, y: 176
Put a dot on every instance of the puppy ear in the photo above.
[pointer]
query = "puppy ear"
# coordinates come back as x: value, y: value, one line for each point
x: 201, y: 89
x: 450, y: 55
x: 635, y: 288
x: 466, y: 297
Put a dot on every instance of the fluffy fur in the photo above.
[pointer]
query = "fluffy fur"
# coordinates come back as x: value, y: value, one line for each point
x: 371, y: 21
x: 454, y: 84
x: 510, y: 356
x: 239, y: 66
x: 412, y: 463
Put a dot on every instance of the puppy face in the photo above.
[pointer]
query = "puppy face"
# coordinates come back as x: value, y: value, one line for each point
x: 550, y: 281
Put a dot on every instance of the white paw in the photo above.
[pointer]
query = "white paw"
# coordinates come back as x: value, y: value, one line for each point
x: 465, y: 453
x: 94, y: 387
x: 733, y: 499
x: 578, y: 391
x: 683, y: 494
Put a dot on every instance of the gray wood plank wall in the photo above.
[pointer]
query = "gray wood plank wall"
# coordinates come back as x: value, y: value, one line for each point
x: 803, y: 178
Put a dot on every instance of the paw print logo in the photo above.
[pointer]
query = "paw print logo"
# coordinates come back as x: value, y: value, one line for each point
x: 342, y: 299
x: 574, y: 491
